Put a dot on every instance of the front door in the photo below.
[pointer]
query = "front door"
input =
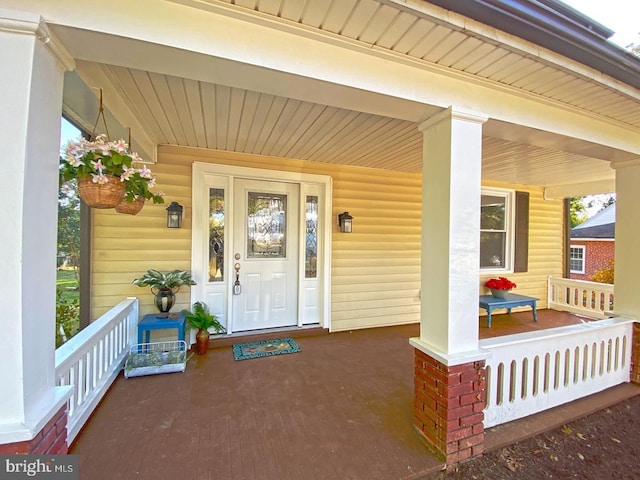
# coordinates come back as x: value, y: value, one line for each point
x: 265, y: 254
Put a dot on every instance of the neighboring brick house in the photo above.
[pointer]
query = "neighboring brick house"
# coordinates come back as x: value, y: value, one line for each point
x: 593, y: 244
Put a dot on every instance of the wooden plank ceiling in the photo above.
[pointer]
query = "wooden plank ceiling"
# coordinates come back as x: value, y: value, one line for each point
x: 186, y: 112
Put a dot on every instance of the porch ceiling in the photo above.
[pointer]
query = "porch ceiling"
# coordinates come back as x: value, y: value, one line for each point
x: 252, y: 114
x: 186, y: 112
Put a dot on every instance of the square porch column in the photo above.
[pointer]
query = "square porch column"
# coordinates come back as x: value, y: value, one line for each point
x: 627, y: 254
x: 449, y: 367
x: 626, y: 301
x: 32, y: 408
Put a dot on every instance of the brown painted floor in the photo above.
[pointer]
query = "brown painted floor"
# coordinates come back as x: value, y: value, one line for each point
x: 339, y: 409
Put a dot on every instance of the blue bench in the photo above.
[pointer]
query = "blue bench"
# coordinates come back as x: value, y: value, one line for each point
x: 491, y: 303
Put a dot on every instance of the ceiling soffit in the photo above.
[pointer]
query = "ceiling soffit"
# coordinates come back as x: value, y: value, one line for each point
x: 328, y: 133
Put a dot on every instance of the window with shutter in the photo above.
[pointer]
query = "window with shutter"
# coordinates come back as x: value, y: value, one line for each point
x: 504, y: 231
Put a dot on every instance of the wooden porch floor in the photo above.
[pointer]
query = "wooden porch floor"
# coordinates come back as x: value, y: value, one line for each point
x: 339, y: 409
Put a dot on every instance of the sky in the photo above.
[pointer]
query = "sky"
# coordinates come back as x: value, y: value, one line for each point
x: 621, y: 16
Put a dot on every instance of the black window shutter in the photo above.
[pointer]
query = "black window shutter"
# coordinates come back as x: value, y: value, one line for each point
x: 521, y: 257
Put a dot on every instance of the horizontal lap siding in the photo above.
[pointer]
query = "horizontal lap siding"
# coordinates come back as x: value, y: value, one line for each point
x: 125, y: 246
x: 375, y: 270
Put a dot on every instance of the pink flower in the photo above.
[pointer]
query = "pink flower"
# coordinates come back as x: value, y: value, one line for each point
x: 120, y: 146
x: 126, y: 173
x: 73, y: 161
x: 98, y: 165
x: 145, y: 172
x: 66, y: 190
x: 100, y: 179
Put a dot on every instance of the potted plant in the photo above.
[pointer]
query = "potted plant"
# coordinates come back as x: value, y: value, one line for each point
x: 164, y: 285
x: 104, y: 172
x: 500, y: 286
x: 203, y: 320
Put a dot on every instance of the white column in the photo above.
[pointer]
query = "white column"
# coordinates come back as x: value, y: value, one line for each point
x: 31, y: 99
x: 627, y: 253
x: 451, y: 182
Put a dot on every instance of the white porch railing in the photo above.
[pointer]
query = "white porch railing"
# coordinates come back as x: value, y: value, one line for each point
x: 92, y: 360
x: 534, y: 371
x: 579, y: 296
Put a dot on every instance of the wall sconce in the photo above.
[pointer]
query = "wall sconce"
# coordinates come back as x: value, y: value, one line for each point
x: 345, y: 222
x: 174, y: 215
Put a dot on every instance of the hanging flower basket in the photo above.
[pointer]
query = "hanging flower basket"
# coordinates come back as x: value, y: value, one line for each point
x: 130, y: 208
x: 105, y: 173
x: 101, y: 195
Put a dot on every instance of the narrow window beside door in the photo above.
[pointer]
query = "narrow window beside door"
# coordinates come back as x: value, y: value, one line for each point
x: 311, y: 237
x: 216, y: 235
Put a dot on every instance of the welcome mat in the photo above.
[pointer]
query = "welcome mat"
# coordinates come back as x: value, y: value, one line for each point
x: 266, y: 348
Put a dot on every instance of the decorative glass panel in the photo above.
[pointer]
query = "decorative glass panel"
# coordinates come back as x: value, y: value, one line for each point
x: 266, y: 225
x: 311, y: 237
x: 216, y: 235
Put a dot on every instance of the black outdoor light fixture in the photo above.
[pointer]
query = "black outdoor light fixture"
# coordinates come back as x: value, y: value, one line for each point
x: 345, y: 222
x: 174, y: 215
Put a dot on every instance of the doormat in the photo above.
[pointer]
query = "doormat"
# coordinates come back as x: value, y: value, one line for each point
x: 266, y: 348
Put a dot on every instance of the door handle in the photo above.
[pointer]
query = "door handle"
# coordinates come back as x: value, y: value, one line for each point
x: 236, y: 285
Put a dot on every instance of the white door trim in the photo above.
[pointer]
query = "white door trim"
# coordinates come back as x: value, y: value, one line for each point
x: 205, y: 174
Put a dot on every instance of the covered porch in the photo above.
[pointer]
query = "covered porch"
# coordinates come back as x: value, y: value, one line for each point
x: 340, y: 408
x: 408, y: 124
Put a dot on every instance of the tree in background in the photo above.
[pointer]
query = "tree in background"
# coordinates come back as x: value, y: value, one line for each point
x: 67, y: 296
x: 69, y: 226
x: 604, y: 275
x: 609, y: 201
x: 579, y: 207
x: 577, y: 211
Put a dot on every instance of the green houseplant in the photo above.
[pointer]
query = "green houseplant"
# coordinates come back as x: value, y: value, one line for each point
x: 200, y: 318
x: 164, y: 285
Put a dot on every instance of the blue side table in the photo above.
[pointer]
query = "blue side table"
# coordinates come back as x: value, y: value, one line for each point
x: 151, y: 321
x: 490, y: 303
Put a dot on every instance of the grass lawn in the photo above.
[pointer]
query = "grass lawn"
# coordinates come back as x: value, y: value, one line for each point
x: 67, y: 313
x: 68, y: 284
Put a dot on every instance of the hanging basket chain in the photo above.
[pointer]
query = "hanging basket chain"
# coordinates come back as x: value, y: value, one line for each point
x: 104, y: 121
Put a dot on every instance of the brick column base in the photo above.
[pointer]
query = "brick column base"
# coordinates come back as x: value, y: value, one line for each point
x: 635, y: 354
x: 52, y: 439
x: 448, y: 407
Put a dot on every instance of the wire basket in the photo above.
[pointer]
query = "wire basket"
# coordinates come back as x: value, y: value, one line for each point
x: 156, y: 357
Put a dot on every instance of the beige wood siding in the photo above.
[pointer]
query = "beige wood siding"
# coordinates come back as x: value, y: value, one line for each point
x: 375, y: 270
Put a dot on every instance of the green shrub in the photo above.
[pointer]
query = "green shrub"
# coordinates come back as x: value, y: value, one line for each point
x: 67, y: 317
x: 604, y: 275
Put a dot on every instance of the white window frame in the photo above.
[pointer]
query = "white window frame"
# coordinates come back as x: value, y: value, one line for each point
x: 584, y: 258
x: 510, y: 213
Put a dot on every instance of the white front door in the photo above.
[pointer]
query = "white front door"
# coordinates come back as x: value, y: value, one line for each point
x: 264, y: 254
